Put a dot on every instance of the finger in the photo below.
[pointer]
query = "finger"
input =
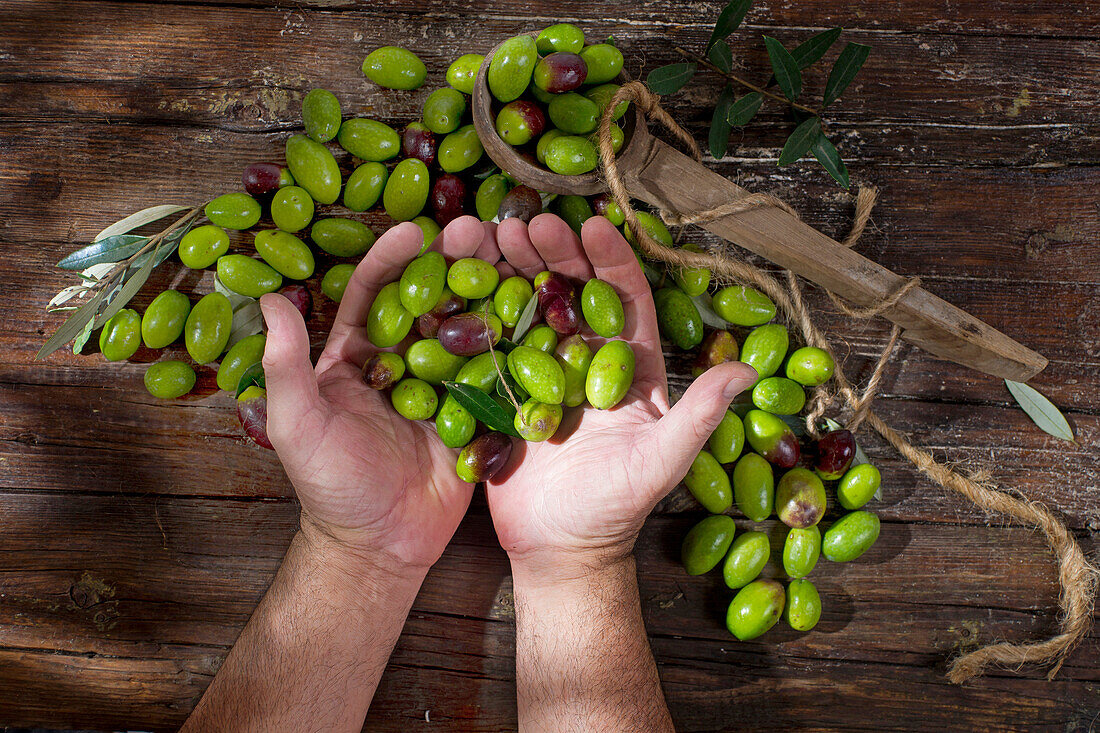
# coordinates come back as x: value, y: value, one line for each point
x: 614, y: 262
x: 679, y: 435
x: 292, y: 393
x: 384, y: 263
x: 461, y: 238
x: 488, y: 249
x: 505, y: 270
x: 515, y: 245
x: 559, y: 247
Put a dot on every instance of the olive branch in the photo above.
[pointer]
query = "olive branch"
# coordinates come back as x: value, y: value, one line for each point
x: 731, y: 111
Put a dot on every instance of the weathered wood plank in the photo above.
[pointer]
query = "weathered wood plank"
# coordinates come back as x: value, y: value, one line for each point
x: 141, y: 600
x: 997, y: 17
x: 1016, y: 99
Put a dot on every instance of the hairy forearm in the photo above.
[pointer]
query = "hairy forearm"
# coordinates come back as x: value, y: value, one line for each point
x: 583, y: 661
x: 311, y: 655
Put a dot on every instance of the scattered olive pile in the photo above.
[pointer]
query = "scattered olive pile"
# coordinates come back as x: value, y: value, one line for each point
x: 462, y: 313
x: 762, y: 447
x: 478, y: 347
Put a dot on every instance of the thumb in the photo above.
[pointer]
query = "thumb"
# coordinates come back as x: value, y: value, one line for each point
x: 679, y: 436
x: 291, y: 381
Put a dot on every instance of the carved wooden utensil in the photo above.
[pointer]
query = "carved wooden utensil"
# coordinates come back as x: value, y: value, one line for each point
x: 658, y: 174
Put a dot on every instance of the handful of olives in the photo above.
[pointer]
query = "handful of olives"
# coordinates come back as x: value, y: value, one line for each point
x: 472, y: 357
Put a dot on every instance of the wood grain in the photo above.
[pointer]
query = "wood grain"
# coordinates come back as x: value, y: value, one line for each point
x: 138, y: 535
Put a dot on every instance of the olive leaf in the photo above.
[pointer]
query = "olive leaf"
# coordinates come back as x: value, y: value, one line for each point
x: 800, y: 140
x: 670, y: 78
x: 844, y: 70
x: 110, y: 250
x: 706, y: 311
x: 140, y: 219
x: 483, y: 407
x: 1041, y: 410
x: 248, y: 319
x: 526, y: 318
x: 728, y: 21
x: 744, y: 109
x: 82, y: 339
x: 655, y: 277
x: 826, y: 154
x: 64, y: 296
x: 785, y: 68
x: 505, y: 346
x: 253, y: 375
x: 73, y: 326
x: 719, y: 137
x: 814, y: 47
x: 721, y: 56
x: 133, y: 284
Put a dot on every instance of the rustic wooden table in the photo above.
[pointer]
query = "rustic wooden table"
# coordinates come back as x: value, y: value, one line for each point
x: 137, y: 536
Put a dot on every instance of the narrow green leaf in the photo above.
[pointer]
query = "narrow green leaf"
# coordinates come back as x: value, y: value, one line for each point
x: 845, y: 68
x: 800, y: 140
x: 140, y: 219
x: 655, y: 277
x: 483, y: 407
x: 73, y: 326
x: 253, y: 375
x: 1041, y: 410
x: 785, y: 68
x: 744, y: 109
x: 133, y: 284
x: 707, y: 313
x: 526, y: 318
x: 719, y: 124
x: 827, y: 155
x: 728, y: 20
x: 505, y: 346
x: 814, y: 47
x: 610, y: 41
x: 78, y: 343
x: 795, y: 423
x: 670, y: 78
x: 721, y: 56
x: 112, y: 249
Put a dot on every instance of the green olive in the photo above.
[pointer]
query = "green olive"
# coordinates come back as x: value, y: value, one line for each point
x: 460, y: 150
x: 369, y: 140
x: 443, y: 110
x: 336, y: 280
x: 314, y: 168
x: 406, y: 190
x: 292, y: 208
x: 462, y: 73
x: 241, y: 355
x: 202, y: 246
x: 706, y: 543
x: 321, y: 115
x: 233, y: 211
x: 365, y: 185
x: 287, y: 254
x: 394, y: 67
x: 247, y: 276
x: 121, y: 335
x: 207, y: 329
x: 342, y: 237
x: 169, y: 379
x: 164, y: 319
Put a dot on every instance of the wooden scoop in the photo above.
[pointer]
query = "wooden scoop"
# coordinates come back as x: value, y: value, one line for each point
x: 660, y: 175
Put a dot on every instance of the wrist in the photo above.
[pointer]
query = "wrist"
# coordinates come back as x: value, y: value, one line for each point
x: 565, y: 568
x: 372, y: 571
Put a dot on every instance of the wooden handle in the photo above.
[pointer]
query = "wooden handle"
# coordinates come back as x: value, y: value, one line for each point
x: 662, y: 176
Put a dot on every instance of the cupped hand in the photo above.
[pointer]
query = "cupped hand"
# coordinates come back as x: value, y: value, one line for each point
x: 365, y: 476
x: 585, y: 493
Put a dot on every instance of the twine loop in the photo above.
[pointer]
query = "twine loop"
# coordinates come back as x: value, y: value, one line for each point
x: 1077, y: 577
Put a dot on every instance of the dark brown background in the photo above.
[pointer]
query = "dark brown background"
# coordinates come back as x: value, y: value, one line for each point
x: 136, y: 536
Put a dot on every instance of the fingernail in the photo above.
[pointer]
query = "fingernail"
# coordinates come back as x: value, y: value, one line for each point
x: 740, y: 383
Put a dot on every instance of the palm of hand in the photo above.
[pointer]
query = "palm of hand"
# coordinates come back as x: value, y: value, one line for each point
x: 592, y: 485
x: 362, y: 472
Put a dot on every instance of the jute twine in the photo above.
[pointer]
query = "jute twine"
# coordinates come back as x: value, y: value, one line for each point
x: 1077, y: 578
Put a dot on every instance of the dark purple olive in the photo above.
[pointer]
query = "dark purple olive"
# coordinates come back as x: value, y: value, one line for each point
x: 558, y: 304
x: 560, y: 72
x: 483, y: 457
x: 522, y: 202
x: 448, y: 199
x: 449, y: 304
x: 300, y: 296
x: 835, y: 452
x: 418, y: 142
x: 261, y: 179
x: 469, y: 334
x: 252, y: 413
